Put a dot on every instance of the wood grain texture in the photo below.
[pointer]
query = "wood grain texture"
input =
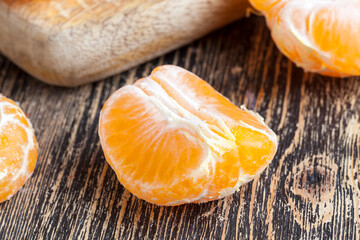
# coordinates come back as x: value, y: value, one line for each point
x: 73, y: 42
x: 310, y: 191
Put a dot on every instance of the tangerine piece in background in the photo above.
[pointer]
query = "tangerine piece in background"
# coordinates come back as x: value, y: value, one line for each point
x: 172, y: 139
x: 18, y: 148
x: 318, y: 35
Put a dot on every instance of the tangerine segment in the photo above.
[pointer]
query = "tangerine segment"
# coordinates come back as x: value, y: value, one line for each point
x: 321, y: 36
x: 172, y: 139
x: 18, y: 148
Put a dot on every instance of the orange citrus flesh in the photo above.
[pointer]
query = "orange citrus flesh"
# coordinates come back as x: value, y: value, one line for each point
x: 319, y: 35
x: 172, y: 139
x: 18, y: 148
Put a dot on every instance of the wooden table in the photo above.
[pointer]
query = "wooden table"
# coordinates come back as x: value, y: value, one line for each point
x: 310, y: 191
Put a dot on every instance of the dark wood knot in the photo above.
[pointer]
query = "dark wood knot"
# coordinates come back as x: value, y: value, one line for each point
x: 310, y: 189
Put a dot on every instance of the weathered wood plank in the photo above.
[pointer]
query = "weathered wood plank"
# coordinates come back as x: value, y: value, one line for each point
x: 310, y: 191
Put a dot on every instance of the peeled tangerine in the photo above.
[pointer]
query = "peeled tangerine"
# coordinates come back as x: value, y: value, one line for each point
x: 18, y: 148
x: 319, y: 35
x: 172, y: 139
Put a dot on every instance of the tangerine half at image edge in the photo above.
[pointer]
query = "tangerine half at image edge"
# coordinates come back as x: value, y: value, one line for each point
x: 173, y: 139
x: 18, y: 148
x: 318, y: 35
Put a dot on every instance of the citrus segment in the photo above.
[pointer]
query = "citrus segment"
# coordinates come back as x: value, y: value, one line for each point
x: 321, y: 36
x: 18, y: 148
x: 172, y: 139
